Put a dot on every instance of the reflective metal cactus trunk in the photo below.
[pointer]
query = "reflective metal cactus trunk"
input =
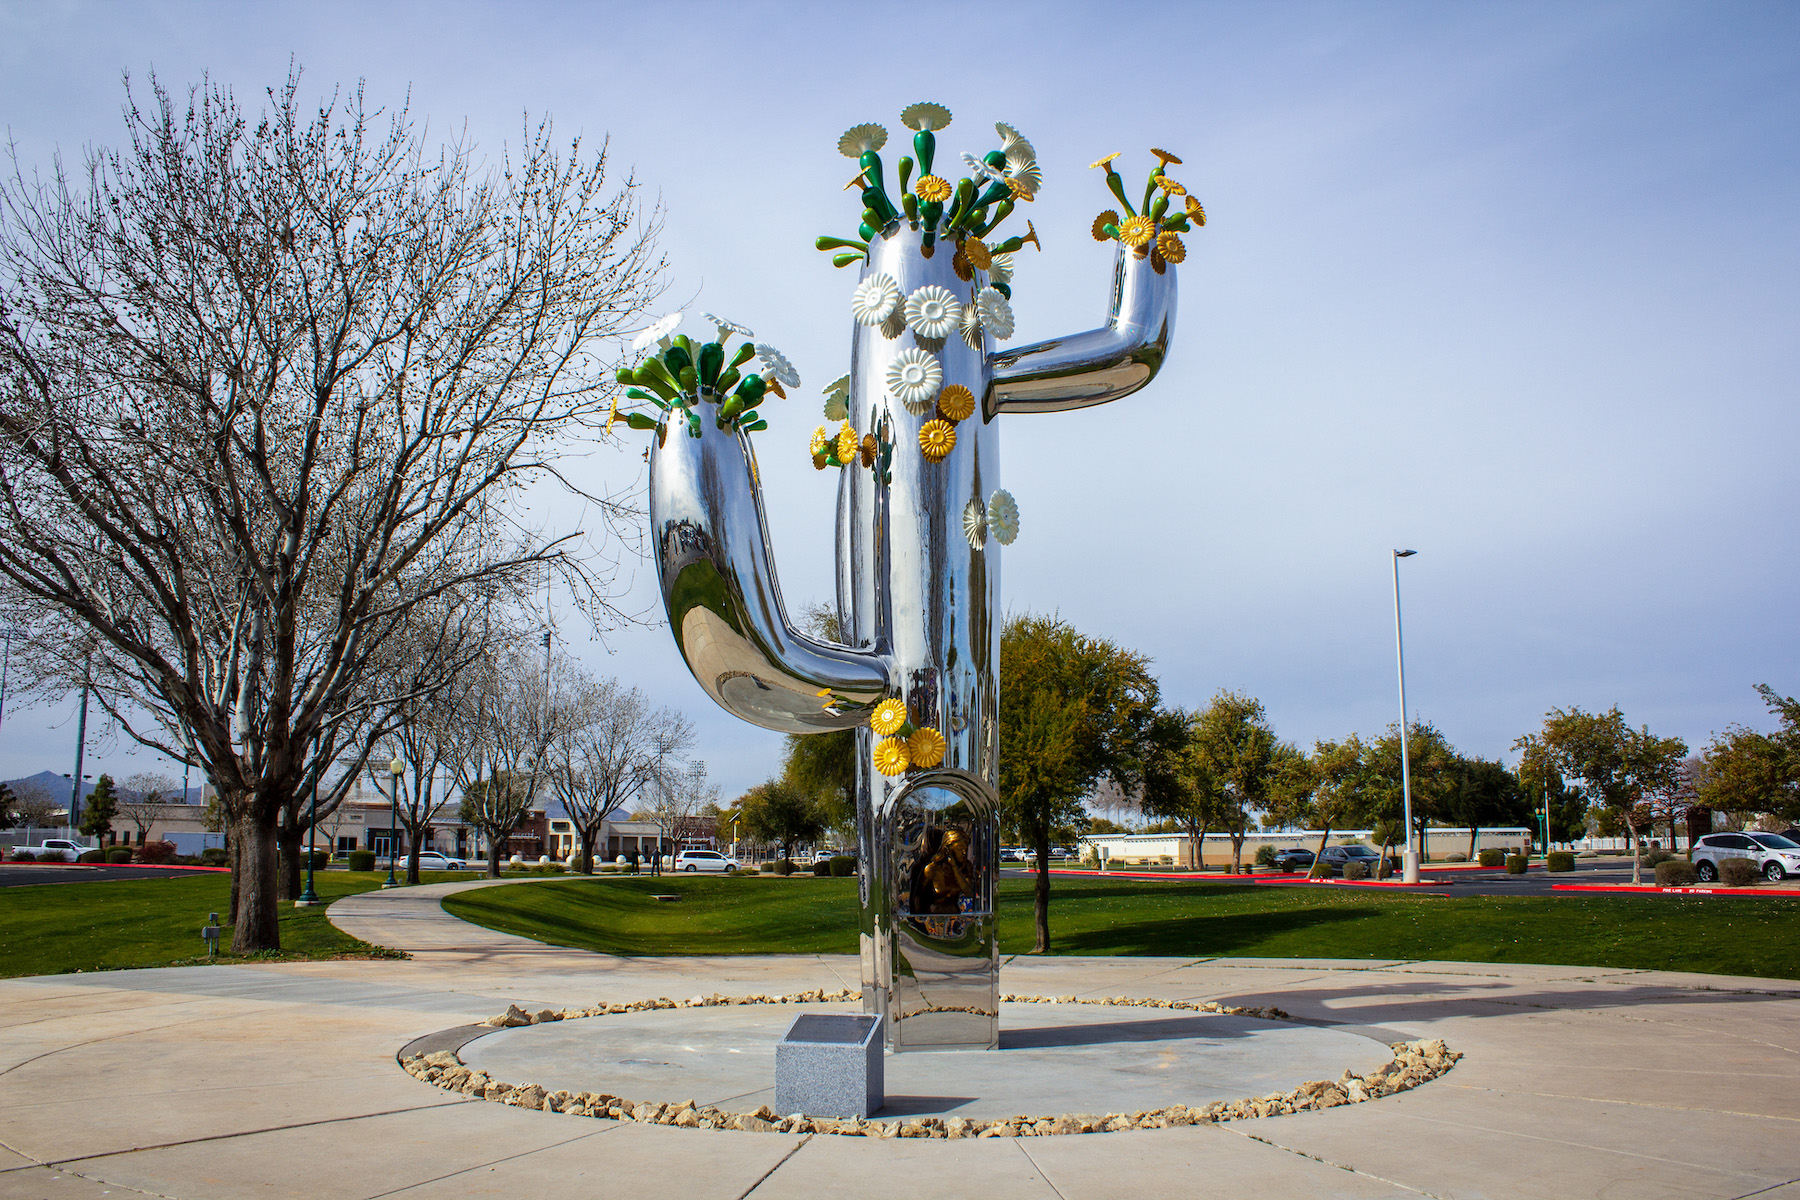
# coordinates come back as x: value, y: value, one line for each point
x: 919, y: 603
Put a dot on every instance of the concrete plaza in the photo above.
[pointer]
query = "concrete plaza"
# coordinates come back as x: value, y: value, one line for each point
x: 280, y: 1080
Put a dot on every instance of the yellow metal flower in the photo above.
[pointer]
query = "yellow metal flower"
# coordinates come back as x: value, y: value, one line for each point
x: 1137, y: 231
x: 956, y: 403
x: 847, y: 443
x: 891, y: 757
x: 819, y: 463
x: 1165, y: 157
x: 1107, y: 161
x: 775, y: 387
x: 821, y: 438
x: 1109, y: 217
x: 1021, y: 189
x: 925, y: 747
x: 1168, y: 243
x: 1195, y: 211
x: 869, y: 447
x: 980, y: 257
x: 888, y: 717
x: 1169, y: 186
x: 937, y: 438
x: 611, y: 418
x: 932, y: 187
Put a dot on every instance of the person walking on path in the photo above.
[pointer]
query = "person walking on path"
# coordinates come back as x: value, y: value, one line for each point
x: 631, y: 857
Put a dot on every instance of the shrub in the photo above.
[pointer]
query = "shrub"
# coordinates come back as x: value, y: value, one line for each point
x: 1738, y: 872
x: 1384, y: 869
x: 843, y: 865
x: 1675, y: 872
x: 1265, y: 854
x: 156, y: 852
x: 1516, y: 864
x: 1319, y: 871
x: 767, y: 868
x: 1491, y: 858
x: 362, y: 860
x: 1653, y: 857
x: 1561, y: 860
x: 92, y: 856
x: 785, y: 867
x: 1355, y: 870
x: 119, y: 854
x: 1456, y: 858
x: 24, y: 856
x: 218, y: 856
x: 612, y: 869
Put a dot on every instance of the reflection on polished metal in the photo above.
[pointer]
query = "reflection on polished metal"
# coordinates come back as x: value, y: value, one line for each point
x: 919, y: 609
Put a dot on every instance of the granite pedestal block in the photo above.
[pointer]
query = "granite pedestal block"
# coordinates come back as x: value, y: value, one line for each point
x: 830, y: 1065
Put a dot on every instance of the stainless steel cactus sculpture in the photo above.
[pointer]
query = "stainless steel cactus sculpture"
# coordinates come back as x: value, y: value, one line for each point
x: 921, y: 519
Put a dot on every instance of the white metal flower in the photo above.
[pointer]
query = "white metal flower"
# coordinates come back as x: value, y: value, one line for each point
x: 915, y: 377
x: 656, y: 332
x: 727, y: 328
x: 1003, y: 517
x: 874, y: 299
x: 975, y: 523
x: 996, y: 312
x: 858, y: 140
x: 981, y: 168
x: 1010, y: 137
x: 925, y: 115
x: 776, y: 365
x: 1002, y: 270
x: 1022, y: 169
x: 933, y: 311
x: 971, y: 326
x: 837, y: 396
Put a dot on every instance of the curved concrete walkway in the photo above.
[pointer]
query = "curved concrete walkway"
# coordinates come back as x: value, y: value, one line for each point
x: 279, y: 1080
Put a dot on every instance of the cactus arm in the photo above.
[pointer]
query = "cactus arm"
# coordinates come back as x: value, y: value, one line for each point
x: 1099, y: 365
x: 724, y: 602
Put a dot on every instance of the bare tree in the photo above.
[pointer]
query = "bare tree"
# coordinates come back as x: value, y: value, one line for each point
x: 618, y: 747
x: 268, y: 382
x: 33, y: 807
x: 141, y: 799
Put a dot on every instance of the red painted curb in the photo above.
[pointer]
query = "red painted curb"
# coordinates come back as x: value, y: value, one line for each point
x: 143, y: 866
x: 1650, y: 889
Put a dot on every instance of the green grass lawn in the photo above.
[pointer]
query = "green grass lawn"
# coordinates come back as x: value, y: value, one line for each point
x: 818, y: 916
x: 55, y: 928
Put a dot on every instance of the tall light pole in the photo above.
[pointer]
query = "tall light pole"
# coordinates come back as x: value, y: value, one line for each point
x: 80, y: 748
x: 309, y: 897
x: 1409, y: 857
x: 395, y: 768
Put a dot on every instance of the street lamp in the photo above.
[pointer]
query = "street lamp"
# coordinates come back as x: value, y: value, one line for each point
x: 395, y: 769
x: 307, y: 897
x: 1409, y: 857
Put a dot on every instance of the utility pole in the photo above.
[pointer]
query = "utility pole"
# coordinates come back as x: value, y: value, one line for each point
x: 1409, y: 858
x: 80, y: 747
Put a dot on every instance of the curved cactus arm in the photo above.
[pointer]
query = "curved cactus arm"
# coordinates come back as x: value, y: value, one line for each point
x: 712, y: 553
x: 1099, y: 365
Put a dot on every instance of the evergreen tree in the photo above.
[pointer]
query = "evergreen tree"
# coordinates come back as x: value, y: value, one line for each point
x: 101, y: 806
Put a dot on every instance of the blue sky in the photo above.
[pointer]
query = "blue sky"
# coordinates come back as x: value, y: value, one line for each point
x: 1513, y: 285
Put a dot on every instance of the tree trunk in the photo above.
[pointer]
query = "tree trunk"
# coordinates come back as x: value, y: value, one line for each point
x: 1637, y: 852
x: 257, y: 926
x: 233, y: 849
x: 1237, y: 850
x: 493, y: 869
x: 1041, y: 897
x: 412, y: 861
x: 1474, y: 832
x: 1319, y: 854
x: 287, y: 844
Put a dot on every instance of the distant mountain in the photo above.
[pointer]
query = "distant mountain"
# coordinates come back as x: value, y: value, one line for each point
x: 58, y: 787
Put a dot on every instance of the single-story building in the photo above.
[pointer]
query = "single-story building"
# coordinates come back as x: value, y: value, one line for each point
x: 1178, y: 847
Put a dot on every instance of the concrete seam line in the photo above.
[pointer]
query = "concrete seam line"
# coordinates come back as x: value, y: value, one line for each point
x: 1345, y: 1167
x: 226, y: 1137
x: 779, y: 1163
x: 108, y: 1184
x: 1041, y: 1173
x: 1767, y: 1190
x: 490, y: 1164
x: 1414, y: 1063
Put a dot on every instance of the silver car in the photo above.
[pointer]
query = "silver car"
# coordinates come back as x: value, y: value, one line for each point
x: 1775, y: 857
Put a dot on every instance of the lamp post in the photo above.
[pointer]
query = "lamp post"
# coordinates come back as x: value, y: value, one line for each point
x: 1409, y: 857
x: 308, y: 897
x: 395, y: 768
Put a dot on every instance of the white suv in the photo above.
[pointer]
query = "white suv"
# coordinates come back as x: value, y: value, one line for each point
x: 1775, y: 856
x: 704, y: 860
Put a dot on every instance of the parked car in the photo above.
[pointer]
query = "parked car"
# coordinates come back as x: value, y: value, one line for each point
x: 1776, y: 857
x: 1292, y: 859
x: 704, y: 860
x: 431, y: 860
x: 1012, y: 854
x: 1336, y: 858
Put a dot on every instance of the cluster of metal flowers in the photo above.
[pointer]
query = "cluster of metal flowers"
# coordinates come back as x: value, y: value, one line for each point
x: 903, y: 746
x: 1150, y: 228
x: 964, y: 212
x: 676, y: 376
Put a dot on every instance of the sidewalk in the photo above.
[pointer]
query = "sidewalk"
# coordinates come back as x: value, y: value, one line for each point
x: 274, y: 1080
